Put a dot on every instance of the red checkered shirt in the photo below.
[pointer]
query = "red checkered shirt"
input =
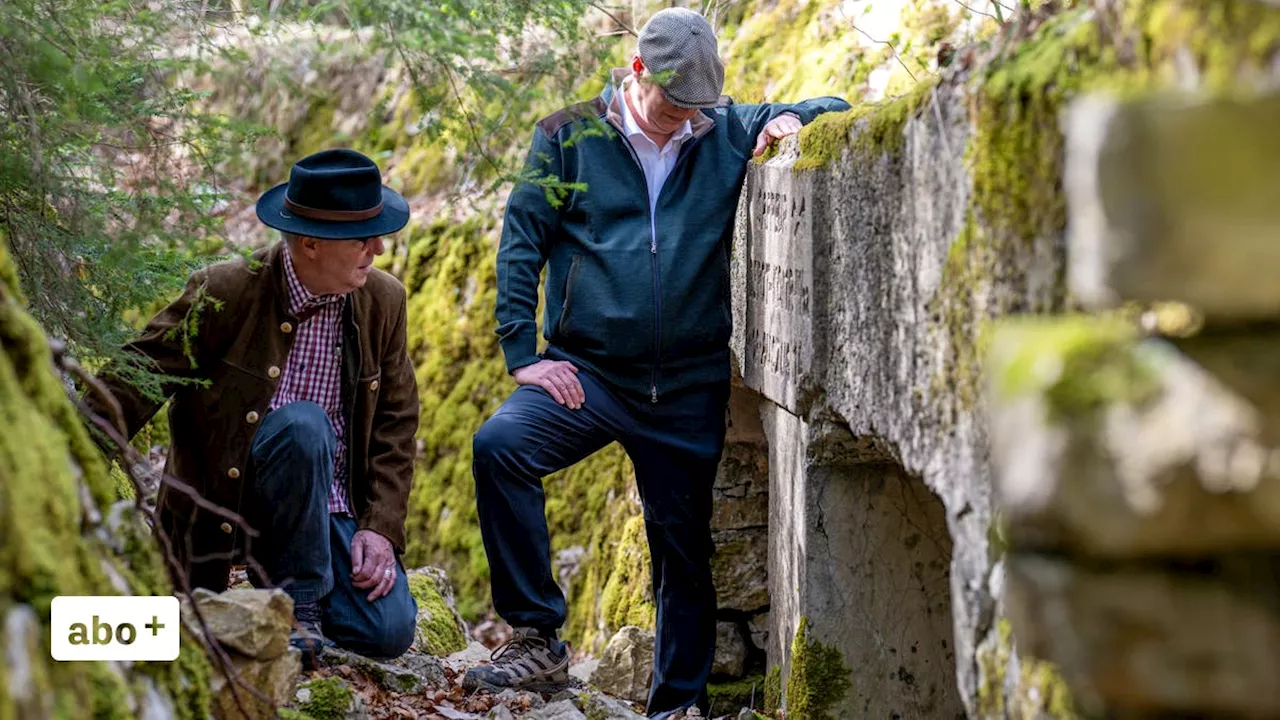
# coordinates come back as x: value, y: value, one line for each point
x: 313, y: 370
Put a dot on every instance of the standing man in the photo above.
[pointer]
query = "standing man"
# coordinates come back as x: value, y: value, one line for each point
x: 304, y: 422
x: 638, y: 321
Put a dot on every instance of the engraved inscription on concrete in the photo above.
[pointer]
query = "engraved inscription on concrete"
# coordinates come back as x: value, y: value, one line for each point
x: 779, y: 286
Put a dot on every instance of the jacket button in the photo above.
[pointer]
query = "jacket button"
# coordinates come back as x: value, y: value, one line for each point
x: 226, y: 528
x: 273, y: 372
x: 234, y: 473
x: 286, y: 327
x: 373, y: 385
x: 252, y: 417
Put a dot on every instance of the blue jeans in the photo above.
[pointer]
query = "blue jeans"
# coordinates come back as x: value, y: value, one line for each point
x: 675, y: 446
x: 305, y: 550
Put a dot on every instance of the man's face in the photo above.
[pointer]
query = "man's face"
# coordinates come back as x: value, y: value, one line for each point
x: 339, y: 266
x: 654, y: 113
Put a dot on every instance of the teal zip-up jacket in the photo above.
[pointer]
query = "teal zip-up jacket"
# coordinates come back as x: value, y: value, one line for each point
x: 646, y: 311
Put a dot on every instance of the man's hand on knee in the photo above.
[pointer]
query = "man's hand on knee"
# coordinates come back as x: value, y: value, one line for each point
x: 373, y: 563
x: 557, y: 377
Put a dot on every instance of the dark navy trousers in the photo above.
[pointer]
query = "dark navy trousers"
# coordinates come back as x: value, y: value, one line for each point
x: 306, y: 550
x: 675, y: 446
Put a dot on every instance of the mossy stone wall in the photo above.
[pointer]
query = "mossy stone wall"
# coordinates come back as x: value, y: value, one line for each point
x: 53, y: 481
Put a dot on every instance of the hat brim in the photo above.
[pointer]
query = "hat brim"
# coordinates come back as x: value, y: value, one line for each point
x: 690, y: 105
x: 394, y: 216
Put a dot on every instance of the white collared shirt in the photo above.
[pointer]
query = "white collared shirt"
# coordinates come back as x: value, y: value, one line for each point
x: 657, y: 164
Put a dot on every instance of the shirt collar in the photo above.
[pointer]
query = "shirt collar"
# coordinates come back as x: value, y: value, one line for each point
x: 633, y: 129
x: 300, y: 298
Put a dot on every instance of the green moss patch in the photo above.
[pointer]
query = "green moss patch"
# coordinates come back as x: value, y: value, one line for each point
x: 330, y: 698
x: 818, y: 679
x: 437, y: 627
x: 628, y: 593
x: 730, y: 697
x: 1077, y: 364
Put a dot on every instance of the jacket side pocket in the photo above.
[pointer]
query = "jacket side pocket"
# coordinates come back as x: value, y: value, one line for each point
x: 569, y: 282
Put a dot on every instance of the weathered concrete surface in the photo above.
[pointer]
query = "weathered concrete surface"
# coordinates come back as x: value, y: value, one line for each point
x: 1140, y: 478
x: 834, y: 272
x: 861, y: 549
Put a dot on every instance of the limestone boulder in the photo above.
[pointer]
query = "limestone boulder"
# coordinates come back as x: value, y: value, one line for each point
x: 254, y: 623
x: 626, y: 668
x: 330, y: 697
x: 276, y: 679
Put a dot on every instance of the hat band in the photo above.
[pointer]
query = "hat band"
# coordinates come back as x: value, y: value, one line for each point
x: 333, y: 215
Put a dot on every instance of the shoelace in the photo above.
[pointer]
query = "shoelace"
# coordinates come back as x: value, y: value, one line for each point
x: 518, y: 640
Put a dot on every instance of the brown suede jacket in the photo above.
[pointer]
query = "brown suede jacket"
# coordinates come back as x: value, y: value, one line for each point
x: 240, y: 348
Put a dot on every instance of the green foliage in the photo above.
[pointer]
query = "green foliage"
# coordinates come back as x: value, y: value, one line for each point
x: 106, y: 178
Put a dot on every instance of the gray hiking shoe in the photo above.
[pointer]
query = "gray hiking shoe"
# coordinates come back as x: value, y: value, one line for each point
x: 525, y: 662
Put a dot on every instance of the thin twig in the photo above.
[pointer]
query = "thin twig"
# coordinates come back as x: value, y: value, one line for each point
x: 892, y: 49
x: 621, y: 24
x: 977, y: 11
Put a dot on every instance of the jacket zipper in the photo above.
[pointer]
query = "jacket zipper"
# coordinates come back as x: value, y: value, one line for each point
x: 653, y: 252
x: 653, y: 261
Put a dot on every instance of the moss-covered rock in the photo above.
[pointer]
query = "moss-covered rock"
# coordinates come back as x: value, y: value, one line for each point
x: 54, y: 489
x: 439, y: 631
x: 729, y: 697
x: 628, y: 594
x: 1078, y: 364
x: 325, y: 698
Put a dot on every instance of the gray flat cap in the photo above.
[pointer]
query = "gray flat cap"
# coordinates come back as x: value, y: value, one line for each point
x: 681, y: 42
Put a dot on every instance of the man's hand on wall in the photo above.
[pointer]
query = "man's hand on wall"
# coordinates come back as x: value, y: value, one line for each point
x: 557, y: 377
x: 373, y: 563
x: 779, y: 127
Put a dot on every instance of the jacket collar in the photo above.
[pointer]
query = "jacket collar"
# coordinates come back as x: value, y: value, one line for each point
x: 701, y: 123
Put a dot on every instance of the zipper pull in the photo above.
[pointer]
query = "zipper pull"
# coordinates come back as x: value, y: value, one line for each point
x: 653, y: 245
x: 653, y: 393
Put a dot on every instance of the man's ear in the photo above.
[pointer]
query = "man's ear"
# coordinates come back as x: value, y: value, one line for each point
x: 310, y: 246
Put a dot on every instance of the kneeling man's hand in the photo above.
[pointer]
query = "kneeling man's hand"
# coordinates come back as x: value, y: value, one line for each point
x: 557, y: 377
x: 373, y: 563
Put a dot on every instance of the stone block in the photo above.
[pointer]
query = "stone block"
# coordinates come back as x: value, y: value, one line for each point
x: 1105, y: 446
x: 1173, y: 198
x: 1154, y: 640
x: 731, y: 650
x: 254, y: 623
x: 740, y: 569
